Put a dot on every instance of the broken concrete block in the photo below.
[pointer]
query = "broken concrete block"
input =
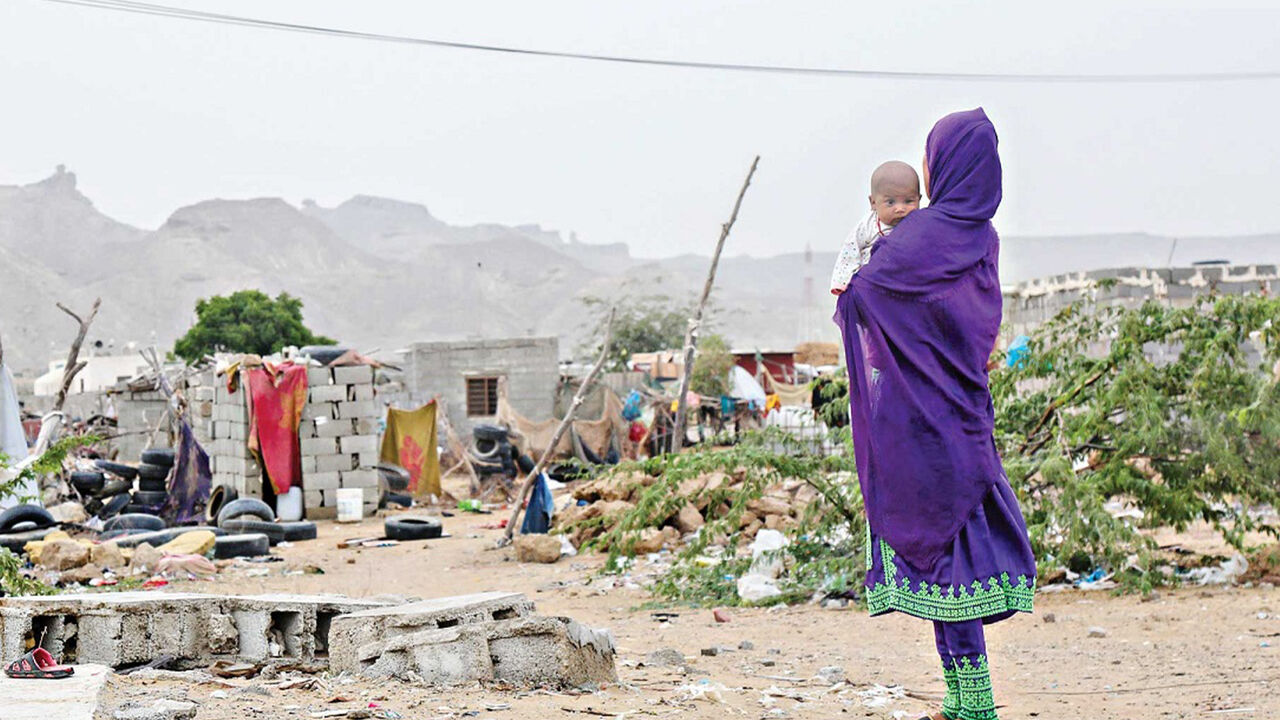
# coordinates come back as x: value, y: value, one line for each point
x: 537, y: 548
x: 551, y: 652
x: 349, y: 633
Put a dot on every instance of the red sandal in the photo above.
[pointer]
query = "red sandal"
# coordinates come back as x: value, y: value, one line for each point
x: 38, y: 664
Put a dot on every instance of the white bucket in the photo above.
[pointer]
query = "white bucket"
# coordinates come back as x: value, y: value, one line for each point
x: 350, y: 504
x: 289, y: 505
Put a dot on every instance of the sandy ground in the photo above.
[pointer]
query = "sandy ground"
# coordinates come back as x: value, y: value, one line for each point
x: 1189, y: 653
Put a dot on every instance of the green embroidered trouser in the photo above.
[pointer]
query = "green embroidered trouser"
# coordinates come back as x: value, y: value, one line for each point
x: 963, y: 650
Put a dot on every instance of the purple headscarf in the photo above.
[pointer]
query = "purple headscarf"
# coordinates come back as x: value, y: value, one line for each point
x: 919, y: 321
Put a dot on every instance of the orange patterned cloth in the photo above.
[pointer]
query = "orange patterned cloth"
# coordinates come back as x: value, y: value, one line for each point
x: 410, y: 442
x: 277, y: 394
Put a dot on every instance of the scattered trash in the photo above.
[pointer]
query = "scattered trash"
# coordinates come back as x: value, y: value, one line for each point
x: 720, y: 615
x: 1097, y: 632
x: 832, y: 674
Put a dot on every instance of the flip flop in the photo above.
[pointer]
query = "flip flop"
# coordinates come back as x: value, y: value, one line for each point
x: 38, y: 664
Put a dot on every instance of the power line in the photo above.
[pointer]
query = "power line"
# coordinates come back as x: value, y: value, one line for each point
x: 219, y: 18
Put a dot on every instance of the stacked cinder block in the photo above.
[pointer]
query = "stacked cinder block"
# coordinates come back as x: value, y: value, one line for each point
x: 229, y: 458
x: 339, y: 437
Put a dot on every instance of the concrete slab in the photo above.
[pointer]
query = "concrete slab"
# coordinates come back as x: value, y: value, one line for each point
x: 73, y: 698
x: 349, y: 633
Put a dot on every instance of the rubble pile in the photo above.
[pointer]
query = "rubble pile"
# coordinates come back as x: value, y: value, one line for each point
x: 599, y: 504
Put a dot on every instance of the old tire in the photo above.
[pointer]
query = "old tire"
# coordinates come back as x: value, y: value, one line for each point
x: 413, y: 527
x: 396, y: 477
x: 22, y: 514
x: 299, y: 530
x: 246, y: 506
x: 15, y: 542
x: 220, y: 496
x: 114, y: 487
x: 392, y: 498
x: 120, y: 470
x: 250, y: 545
x: 158, y: 456
x: 147, y: 471
x: 134, y: 521
x: 156, y: 486
x: 113, y: 505
x: 149, y: 498
x: 252, y: 525
x: 88, y: 483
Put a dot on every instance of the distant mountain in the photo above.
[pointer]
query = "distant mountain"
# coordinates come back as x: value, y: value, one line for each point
x: 380, y: 273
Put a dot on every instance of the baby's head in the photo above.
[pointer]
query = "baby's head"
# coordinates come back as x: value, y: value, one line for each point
x: 895, y: 191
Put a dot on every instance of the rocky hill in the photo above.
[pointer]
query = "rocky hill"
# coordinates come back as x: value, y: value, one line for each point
x: 379, y: 273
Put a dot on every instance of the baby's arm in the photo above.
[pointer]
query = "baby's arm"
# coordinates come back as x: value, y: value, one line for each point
x: 850, y: 257
x: 847, y: 262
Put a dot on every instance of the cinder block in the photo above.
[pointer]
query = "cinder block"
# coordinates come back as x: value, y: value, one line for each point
x: 312, y: 498
x: 307, y: 429
x: 204, y: 393
x: 334, y: 428
x: 319, y: 376
x: 357, y: 409
x: 360, y: 479
x: 334, y: 463
x: 361, y: 392
x: 319, y: 446
x: 348, y: 634
x: 331, y: 480
x: 366, y: 426
x: 368, y: 459
x: 353, y: 375
x: 308, y: 464
x: 316, y: 411
x: 327, y: 393
x: 358, y: 443
x: 370, y: 498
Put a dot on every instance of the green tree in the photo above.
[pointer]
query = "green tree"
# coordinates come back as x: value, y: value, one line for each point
x: 247, y: 321
x: 711, y: 367
x: 646, y: 324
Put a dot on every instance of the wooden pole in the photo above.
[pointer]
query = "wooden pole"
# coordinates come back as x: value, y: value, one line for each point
x: 691, y: 334
x: 564, y: 425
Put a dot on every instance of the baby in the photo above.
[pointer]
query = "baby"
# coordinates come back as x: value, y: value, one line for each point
x: 895, y: 192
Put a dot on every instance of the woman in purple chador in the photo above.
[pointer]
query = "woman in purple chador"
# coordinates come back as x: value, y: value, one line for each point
x: 946, y: 541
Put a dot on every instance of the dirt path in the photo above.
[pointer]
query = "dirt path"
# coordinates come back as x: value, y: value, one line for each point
x: 1184, y: 654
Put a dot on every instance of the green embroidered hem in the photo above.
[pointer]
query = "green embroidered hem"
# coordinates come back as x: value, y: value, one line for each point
x: 951, y: 604
x: 951, y: 702
x: 977, y: 702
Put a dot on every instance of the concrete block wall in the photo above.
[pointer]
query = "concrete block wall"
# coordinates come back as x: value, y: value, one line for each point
x: 228, y: 430
x: 339, y: 435
x: 1036, y: 301
x: 529, y: 365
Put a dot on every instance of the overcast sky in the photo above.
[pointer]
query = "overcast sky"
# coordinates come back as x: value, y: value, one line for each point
x: 156, y: 113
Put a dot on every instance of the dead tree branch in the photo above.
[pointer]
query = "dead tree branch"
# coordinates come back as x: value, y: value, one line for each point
x: 578, y: 398
x: 695, y: 322
x: 74, y: 363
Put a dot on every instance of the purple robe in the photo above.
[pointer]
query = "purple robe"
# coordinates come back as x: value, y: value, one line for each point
x: 920, y: 321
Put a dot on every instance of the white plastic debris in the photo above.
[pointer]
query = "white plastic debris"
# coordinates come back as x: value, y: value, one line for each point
x: 759, y: 583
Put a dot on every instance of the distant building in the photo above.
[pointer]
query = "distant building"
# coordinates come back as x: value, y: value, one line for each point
x: 465, y: 375
x: 661, y: 365
x: 780, y: 364
x: 100, y: 372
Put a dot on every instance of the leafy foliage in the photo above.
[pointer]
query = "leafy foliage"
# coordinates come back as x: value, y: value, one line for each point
x: 826, y: 537
x: 13, y: 582
x: 247, y: 321
x: 642, y: 324
x: 711, y: 367
x: 48, y: 463
x: 1171, y: 409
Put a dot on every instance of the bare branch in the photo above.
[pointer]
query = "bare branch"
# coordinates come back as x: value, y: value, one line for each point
x: 74, y: 365
x: 695, y: 322
x: 564, y: 425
